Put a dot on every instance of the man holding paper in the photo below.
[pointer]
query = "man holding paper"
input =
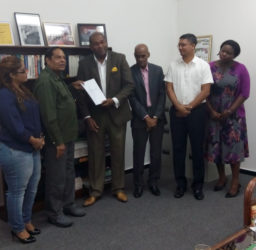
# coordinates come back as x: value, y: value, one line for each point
x: 111, y: 72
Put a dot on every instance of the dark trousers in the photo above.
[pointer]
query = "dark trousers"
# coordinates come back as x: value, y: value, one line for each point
x: 140, y: 138
x: 97, y: 154
x: 181, y: 127
x: 59, y: 179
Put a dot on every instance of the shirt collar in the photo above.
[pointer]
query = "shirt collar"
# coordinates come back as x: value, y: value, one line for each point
x: 98, y: 62
x: 56, y: 76
x: 146, y: 69
x: 194, y: 60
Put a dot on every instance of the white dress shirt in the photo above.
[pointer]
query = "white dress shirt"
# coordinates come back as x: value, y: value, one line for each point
x: 187, y: 78
x: 102, y: 69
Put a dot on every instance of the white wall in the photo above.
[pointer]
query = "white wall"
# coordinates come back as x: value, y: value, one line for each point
x: 127, y: 23
x: 229, y: 19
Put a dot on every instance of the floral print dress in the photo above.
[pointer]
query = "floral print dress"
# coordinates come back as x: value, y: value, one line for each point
x: 226, y: 141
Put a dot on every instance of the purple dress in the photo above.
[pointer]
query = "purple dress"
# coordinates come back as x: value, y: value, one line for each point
x: 226, y: 142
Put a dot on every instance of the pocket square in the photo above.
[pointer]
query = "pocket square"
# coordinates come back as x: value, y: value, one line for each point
x: 114, y: 69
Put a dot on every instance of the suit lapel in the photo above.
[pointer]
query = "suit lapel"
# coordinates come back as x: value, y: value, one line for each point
x: 150, y: 80
x: 95, y: 71
x: 140, y: 78
x: 109, y: 69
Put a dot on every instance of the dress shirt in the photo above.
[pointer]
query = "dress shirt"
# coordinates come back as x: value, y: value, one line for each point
x: 144, y: 73
x: 102, y: 69
x: 187, y: 78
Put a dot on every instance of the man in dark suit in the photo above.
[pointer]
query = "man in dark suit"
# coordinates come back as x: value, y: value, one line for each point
x: 112, y: 74
x: 148, y: 102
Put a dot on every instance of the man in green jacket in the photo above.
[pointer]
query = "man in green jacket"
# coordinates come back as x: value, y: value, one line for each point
x: 58, y: 113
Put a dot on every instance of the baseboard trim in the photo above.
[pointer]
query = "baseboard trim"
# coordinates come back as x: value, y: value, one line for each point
x: 248, y: 172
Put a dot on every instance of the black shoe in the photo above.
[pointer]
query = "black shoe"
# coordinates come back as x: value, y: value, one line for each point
x: 154, y: 190
x: 36, y: 231
x: 74, y: 211
x: 230, y: 195
x: 61, y: 221
x: 198, y: 194
x: 30, y: 239
x: 138, y: 191
x: 179, y: 192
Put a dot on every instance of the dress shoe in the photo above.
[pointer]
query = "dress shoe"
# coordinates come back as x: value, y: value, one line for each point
x: 230, y: 195
x: 30, y: 239
x: 29, y: 228
x: 138, y: 191
x: 121, y: 196
x: 154, y: 190
x: 89, y: 201
x: 219, y: 187
x: 198, y: 194
x: 61, y: 221
x: 74, y: 211
x: 36, y: 231
x: 179, y: 192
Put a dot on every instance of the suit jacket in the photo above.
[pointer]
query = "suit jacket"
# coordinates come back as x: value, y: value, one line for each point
x: 119, y: 84
x: 138, y: 99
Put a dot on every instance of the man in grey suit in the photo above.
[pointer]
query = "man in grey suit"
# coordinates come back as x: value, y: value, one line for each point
x: 147, y: 102
x: 113, y: 75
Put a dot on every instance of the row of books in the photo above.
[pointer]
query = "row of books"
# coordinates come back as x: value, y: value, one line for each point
x: 35, y: 63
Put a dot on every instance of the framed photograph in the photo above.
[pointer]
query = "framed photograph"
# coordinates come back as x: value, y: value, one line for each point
x: 59, y: 34
x: 6, y: 37
x: 29, y: 29
x: 204, y: 47
x: 86, y: 29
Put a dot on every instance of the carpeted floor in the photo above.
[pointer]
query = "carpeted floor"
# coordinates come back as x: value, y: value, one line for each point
x: 148, y: 223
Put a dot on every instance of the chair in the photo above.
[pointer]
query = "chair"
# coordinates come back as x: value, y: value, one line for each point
x: 249, y: 200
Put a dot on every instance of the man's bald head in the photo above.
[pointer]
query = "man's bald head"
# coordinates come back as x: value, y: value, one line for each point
x: 141, y: 54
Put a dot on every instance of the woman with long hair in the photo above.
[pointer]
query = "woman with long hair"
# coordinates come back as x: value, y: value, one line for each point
x: 20, y: 144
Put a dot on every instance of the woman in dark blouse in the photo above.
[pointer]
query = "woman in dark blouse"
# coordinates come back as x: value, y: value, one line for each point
x: 20, y: 144
x: 227, y: 141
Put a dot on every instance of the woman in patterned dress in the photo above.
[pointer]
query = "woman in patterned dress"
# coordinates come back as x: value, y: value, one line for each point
x: 227, y: 141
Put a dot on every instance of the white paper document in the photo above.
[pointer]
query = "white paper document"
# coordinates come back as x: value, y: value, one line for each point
x: 94, y: 91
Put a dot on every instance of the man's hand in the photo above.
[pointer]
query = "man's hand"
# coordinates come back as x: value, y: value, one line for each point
x: 93, y: 126
x: 107, y: 103
x: 60, y: 150
x: 183, y: 110
x: 150, y: 122
x: 77, y: 84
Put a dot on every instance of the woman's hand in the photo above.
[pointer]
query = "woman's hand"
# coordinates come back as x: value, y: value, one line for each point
x: 225, y: 114
x: 37, y: 143
x: 215, y: 115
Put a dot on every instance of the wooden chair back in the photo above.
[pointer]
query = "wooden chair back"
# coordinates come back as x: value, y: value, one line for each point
x: 249, y: 200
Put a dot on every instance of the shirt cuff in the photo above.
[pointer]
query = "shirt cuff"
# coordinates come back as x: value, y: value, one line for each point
x: 88, y: 116
x: 117, y: 104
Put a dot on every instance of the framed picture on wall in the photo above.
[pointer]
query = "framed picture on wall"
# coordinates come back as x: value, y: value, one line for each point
x: 86, y: 29
x: 6, y: 37
x: 29, y: 29
x: 59, y: 34
x: 204, y: 47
